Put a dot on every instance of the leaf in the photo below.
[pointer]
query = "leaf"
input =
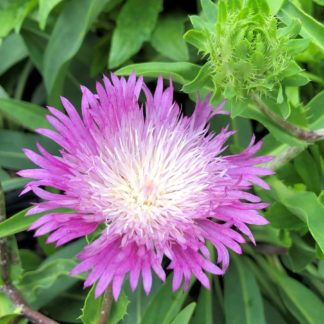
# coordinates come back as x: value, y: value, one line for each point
x: 315, y: 111
x: 202, y: 79
x: 197, y: 38
x: 311, y: 28
x: 60, y: 284
x: 24, y: 113
x: 13, y: 183
x: 93, y: 306
x: 243, y: 302
x: 12, y: 50
x: 181, y: 72
x: 17, y: 223
x: 299, y: 255
x: 44, y: 276
x: 13, y: 13
x: 139, y: 301
x: 303, y: 304
x: 167, y: 38
x: 66, y: 38
x: 135, y: 24
x: 30, y: 260
x: 303, y: 204
x: 209, y: 10
x: 204, y: 309
x: 184, y: 316
x: 11, y: 154
x: 45, y: 7
x: 7, y: 308
x: 165, y: 305
x: 307, y: 169
x: 275, y: 5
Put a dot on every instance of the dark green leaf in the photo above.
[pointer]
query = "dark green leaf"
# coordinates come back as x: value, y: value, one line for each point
x: 12, y: 50
x: 165, y: 305
x: 16, y: 223
x: 45, y: 7
x: 184, y: 316
x: 243, y: 302
x: 92, y: 308
x: 24, y: 113
x: 311, y: 28
x: 135, y: 24
x: 66, y: 38
x: 303, y: 204
x: 167, y: 38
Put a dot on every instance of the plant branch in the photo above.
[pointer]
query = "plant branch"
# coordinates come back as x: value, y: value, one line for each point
x: 296, y: 131
x: 106, y: 306
x: 7, y: 287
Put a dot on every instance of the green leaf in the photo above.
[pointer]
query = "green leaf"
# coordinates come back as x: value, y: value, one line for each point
x: 11, y: 154
x: 13, y: 183
x: 12, y: 50
x: 280, y: 217
x: 243, y: 302
x: 7, y: 308
x: 197, y: 38
x: 299, y: 255
x: 201, y: 80
x: 30, y: 260
x: 296, y: 46
x: 135, y: 24
x: 209, y: 10
x: 44, y: 276
x: 17, y: 223
x: 303, y: 304
x: 296, y: 81
x: 13, y: 13
x: 204, y: 309
x: 315, y: 111
x: 303, y: 204
x: 45, y: 7
x: 311, y: 28
x: 167, y: 38
x: 165, y: 305
x: 275, y: 5
x: 181, y: 72
x: 66, y: 39
x: 185, y: 315
x: 24, y: 113
x: 307, y: 169
x: 93, y: 306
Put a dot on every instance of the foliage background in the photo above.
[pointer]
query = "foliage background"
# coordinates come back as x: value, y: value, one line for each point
x: 49, y: 47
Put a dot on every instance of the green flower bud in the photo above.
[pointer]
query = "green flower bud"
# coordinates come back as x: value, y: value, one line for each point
x: 246, y: 50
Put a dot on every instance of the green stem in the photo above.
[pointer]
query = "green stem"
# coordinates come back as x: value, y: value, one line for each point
x: 294, y: 130
x: 106, y: 306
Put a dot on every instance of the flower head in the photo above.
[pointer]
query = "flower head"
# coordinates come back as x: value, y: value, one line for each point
x: 151, y: 179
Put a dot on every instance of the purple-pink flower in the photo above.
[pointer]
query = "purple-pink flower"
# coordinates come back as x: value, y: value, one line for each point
x: 152, y: 181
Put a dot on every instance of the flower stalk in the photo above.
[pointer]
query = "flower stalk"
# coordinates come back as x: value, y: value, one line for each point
x: 7, y: 288
x: 300, y: 133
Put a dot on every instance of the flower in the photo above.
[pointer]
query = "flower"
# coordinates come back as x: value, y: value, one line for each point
x: 151, y: 180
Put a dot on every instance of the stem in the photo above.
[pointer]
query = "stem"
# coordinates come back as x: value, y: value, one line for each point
x: 296, y: 131
x: 278, y: 161
x: 7, y: 287
x: 106, y: 306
